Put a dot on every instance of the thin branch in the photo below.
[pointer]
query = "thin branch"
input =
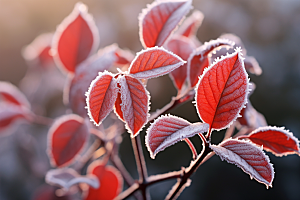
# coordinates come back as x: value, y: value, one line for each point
x: 163, y: 177
x: 139, y: 157
x: 192, y: 148
x: 175, y: 102
x: 87, y: 155
x: 132, y: 189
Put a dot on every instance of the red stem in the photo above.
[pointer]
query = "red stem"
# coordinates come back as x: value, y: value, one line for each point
x: 192, y: 147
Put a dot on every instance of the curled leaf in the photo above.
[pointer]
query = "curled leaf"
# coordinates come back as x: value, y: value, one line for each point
x: 250, y: 158
x: 222, y: 91
x: 160, y: 19
x: 182, y: 47
x: 168, y: 130
x: 75, y: 39
x: 199, y: 59
x: 101, y: 97
x: 66, y: 139
x: 191, y: 24
x: 67, y: 177
x: 111, y: 182
x: 154, y: 62
x: 278, y: 141
x: 134, y: 104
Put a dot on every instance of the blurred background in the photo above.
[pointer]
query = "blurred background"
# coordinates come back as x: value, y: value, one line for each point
x: 270, y: 31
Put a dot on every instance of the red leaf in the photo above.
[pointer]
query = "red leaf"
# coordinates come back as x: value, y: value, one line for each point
x: 168, y: 130
x: 199, y: 59
x: 85, y: 73
x: 278, y: 141
x: 190, y: 26
x: 182, y: 47
x: 222, y: 91
x: 75, y: 39
x: 9, y: 114
x: 67, y: 177
x: 66, y: 138
x: 160, y: 19
x: 248, y: 157
x: 154, y: 62
x: 37, y: 54
x: 11, y: 94
x: 135, y: 104
x: 101, y: 97
x: 111, y: 182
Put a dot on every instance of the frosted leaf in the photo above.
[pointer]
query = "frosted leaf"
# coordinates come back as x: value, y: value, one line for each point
x: 160, y: 19
x: 66, y: 139
x: 111, y: 182
x: 135, y: 104
x: 75, y: 39
x: 67, y: 177
x: 101, y: 97
x: 278, y: 141
x: 168, y: 130
x: 154, y: 62
x: 221, y: 92
x: 248, y: 157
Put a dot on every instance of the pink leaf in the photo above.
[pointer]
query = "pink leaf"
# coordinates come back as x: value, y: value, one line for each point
x: 182, y: 47
x: 9, y: 114
x: 74, y: 94
x: 168, y: 130
x: 199, y: 59
x: 135, y: 104
x: 248, y: 157
x: 67, y: 177
x: 37, y: 54
x: 66, y: 138
x: 11, y: 94
x: 278, y: 141
x: 190, y: 26
x: 222, y: 91
x: 124, y: 57
x: 111, y: 182
x: 251, y: 118
x: 101, y: 97
x: 160, y: 19
x: 75, y: 39
x: 154, y: 62
x: 252, y: 65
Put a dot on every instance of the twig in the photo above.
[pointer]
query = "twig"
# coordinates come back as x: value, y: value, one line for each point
x: 41, y: 120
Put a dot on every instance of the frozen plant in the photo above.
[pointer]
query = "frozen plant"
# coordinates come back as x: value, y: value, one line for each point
x: 214, y: 74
